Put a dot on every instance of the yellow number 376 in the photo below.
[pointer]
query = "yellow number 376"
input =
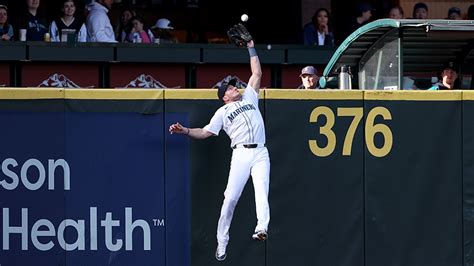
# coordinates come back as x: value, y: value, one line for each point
x: 370, y: 130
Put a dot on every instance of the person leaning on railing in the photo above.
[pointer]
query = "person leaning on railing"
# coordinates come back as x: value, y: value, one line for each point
x: 6, y: 30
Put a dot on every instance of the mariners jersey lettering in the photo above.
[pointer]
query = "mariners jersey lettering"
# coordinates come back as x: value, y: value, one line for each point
x: 241, y: 120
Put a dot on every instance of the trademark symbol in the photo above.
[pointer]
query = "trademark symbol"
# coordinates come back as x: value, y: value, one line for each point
x: 156, y: 223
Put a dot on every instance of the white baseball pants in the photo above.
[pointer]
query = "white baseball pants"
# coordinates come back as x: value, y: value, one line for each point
x: 246, y: 162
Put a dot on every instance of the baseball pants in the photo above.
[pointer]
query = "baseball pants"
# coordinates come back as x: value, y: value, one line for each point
x: 246, y: 162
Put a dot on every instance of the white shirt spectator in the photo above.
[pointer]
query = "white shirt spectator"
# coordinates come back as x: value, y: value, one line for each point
x: 98, y: 24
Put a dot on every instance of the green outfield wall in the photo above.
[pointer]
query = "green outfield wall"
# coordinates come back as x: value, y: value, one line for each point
x: 364, y: 178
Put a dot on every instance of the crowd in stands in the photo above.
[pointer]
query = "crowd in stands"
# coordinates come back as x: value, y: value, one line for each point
x: 319, y: 31
x: 94, y: 26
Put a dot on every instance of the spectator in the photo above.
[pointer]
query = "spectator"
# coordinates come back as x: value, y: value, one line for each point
x: 420, y: 11
x: 318, y: 31
x: 396, y: 12
x: 139, y: 33
x: 454, y: 13
x: 363, y: 16
x: 449, y: 76
x: 124, y: 26
x: 309, y: 78
x: 98, y: 24
x: 470, y: 12
x: 163, y: 31
x: 6, y: 30
x: 33, y: 21
x: 68, y: 22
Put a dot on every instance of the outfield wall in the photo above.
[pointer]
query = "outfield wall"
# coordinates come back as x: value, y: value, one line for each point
x: 92, y: 177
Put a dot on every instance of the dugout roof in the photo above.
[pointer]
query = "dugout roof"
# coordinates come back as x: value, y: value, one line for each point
x: 425, y: 45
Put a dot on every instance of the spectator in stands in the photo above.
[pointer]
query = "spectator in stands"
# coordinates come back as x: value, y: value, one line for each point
x: 309, y: 78
x: 163, y: 31
x: 363, y: 16
x: 68, y: 22
x: 124, y: 25
x: 6, y: 30
x: 420, y: 11
x: 396, y: 12
x: 454, y: 13
x: 470, y: 12
x: 98, y: 24
x: 139, y: 33
x: 33, y: 21
x: 318, y: 31
x: 449, y: 75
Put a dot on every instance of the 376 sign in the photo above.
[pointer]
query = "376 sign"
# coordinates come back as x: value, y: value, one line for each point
x: 356, y: 113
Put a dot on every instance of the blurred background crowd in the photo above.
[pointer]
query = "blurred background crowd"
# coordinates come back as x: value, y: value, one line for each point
x: 206, y: 21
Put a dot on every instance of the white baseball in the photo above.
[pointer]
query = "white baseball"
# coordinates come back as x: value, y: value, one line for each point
x: 244, y: 17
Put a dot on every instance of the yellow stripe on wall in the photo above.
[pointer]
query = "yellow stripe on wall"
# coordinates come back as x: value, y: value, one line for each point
x: 31, y: 93
x: 413, y: 95
x: 114, y: 94
x: 191, y: 94
x: 197, y: 94
x: 296, y: 94
x: 211, y: 94
x: 468, y: 95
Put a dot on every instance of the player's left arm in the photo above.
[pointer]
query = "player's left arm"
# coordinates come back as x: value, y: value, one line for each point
x: 195, y: 133
x: 255, y: 67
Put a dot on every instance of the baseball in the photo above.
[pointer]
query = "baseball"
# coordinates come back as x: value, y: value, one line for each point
x: 244, y: 17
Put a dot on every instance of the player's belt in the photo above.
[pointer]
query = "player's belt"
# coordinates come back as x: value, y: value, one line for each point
x: 249, y: 146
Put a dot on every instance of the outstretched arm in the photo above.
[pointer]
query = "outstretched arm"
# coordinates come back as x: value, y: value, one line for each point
x: 195, y: 133
x: 255, y: 67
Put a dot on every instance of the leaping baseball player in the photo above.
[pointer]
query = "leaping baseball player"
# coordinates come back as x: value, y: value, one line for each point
x: 241, y: 119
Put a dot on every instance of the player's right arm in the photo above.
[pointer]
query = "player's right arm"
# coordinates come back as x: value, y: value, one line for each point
x: 195, y: 133
x: 255, y: 67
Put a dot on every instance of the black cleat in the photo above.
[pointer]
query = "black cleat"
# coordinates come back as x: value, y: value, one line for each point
x: 260, y: 235
x: 221, y: 253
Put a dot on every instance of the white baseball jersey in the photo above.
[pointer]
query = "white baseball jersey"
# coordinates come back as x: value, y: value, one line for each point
x: 241, y: 120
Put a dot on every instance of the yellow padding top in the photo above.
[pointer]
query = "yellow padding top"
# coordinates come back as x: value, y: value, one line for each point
x: 413, y: 95
x: 468, y: 95
x: 30, y: 93
x: 211, y: 94
x: 114, y: 94
x: 196, y: 94
x: 87, y: 94
x: 297, y: 94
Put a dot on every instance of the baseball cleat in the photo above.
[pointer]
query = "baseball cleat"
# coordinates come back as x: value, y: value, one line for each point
x: 260, y: 235
x: 221, y: 253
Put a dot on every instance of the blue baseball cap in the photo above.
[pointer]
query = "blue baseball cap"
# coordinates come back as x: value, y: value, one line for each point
x: 224, y: 86
x: 308, y: 70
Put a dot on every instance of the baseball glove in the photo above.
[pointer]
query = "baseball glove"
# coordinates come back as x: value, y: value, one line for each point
x: 239, y: 35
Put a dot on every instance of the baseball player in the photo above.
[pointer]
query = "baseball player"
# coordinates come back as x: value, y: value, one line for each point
x: 241, y: 119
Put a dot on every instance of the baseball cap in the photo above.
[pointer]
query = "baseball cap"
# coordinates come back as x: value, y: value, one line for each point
x: 223, y: 87
x: 454, y: 10
x: 450, y: 65
x: 364, y: 7
x: 163, y: 23
x: 308, y: 70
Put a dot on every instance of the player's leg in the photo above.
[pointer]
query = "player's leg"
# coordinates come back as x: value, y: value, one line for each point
x: 261, y: 182
x: 238, y: 175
